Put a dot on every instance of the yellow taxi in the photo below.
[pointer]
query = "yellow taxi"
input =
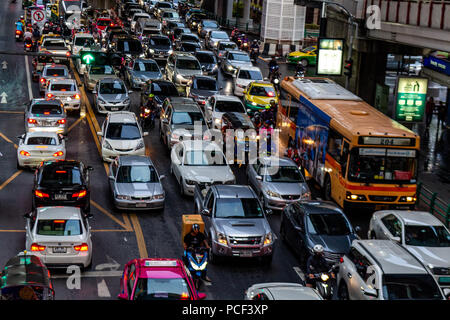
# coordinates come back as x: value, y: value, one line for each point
x: 258, y: 95
x: 307, y: 56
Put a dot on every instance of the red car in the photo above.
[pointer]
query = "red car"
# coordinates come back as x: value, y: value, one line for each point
x: 156, y: 279
x: 102, y: 23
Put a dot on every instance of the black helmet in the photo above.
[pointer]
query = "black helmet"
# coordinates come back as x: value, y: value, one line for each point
x: 195, y: 227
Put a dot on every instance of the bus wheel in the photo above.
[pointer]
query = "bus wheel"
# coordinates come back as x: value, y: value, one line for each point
x: 327, y: 188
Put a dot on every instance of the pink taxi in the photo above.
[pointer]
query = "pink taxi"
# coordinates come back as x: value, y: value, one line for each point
x: 155, y: 278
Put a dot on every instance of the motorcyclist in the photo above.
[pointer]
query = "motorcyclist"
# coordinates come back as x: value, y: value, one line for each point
x: 195, y: 239
x: 254, y: 44
x: 316, y: 264
x: 299, y: 68
x: 234, y: 32
x: 19, y: 25
x: 273, y: 65
x: 28, y: 34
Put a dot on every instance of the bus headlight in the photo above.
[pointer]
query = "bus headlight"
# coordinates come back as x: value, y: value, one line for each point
x: 350, y: 196
x: 407, y: 199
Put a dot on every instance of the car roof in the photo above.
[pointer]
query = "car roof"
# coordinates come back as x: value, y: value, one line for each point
x: 259, y: 83
x: 238, y: 52
x: 201, y: 76
x: 224, y: 97
x: 200, y: 145
x: 419, y: 218
x: 278, y: 161
x: 181, y: 100
x: 180, y: 107
x: 250, y: 68
x: 46, y: 101
x: 319, y: 207
x: 184, y: 55
x: 205, y: 52
x: 234, y: 191
x: 145, y: 60
x: 134, y: 160
x: 63, y: 81
x: 55, y: 66
x: 110, y: 80
x: 239, y: 120
x: 83, y: 35
x: 41, y: 134
x: 288, y: 291
x: 58, y: 212
x: 391, y: 257
x: 121, y: 117
x: 160, y: 268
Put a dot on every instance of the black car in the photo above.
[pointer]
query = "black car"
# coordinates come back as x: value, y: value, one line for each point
x: 189, y: 47
x: 171, y: 25
x: 160, y: 90
x: 158, y: 47
x: 307, y: 223
x: 195, y: 19
x: 208, y: 62
x: 177, y: 32
x: 62, y: 183
x: 127, y: 46
x: 200, y: 88
x: 189, y: 37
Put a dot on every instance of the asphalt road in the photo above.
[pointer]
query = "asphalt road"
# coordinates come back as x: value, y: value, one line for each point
x: 117, y: 236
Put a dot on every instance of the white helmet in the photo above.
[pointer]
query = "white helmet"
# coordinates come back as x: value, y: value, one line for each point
x: 318, y: 248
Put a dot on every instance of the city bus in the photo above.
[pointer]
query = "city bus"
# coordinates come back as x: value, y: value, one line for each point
x: 358, y: 155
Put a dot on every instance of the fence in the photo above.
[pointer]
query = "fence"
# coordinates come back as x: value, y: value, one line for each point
x: 435, y: 205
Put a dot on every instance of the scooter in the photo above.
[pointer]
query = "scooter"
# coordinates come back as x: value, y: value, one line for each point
x: 323, y: 283
x: 19, y: 35
x: 28, y: 45
x: 197, y: 261
x: 147, y: 118
x: 254, y: 53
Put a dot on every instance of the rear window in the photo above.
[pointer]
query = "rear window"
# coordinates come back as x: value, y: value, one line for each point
x: 123, y: 131
x: 159, y: 41
x: 129, y: 46
x: 190, y: 47
x: 62, y: 87
x: 101, y: 70
x: 103, y: 23
x: 205, y: 58
x: 41, y: 141
x: 81, y: 41
x: 70, y: 227
x: 205, y: 84
x: 250, y: 75
x: 150, y: 31
x: 188, y: 37
x: 54, y: 43
x: 165, y: 89
x: 146, y: 66
x: 163, y: 5
x: 55, y: 72
x: 60, y: 175
x: 46, y: 109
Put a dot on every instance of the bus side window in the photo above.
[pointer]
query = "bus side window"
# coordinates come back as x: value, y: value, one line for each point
x: 334, y: 145
x: 344, y: 157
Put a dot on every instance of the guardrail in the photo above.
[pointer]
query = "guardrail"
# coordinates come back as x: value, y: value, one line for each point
x: 435, y: 205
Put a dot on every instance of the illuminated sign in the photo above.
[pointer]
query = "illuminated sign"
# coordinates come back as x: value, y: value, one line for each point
x: 329, y: 57
x: 387, y: 141
x: 411, y: 99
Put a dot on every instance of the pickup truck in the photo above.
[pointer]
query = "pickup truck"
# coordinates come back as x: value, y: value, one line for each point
x: 235, y: 222
x: 56, y: 45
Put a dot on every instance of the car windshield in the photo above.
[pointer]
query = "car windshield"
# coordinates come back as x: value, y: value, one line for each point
x: 205, y: 58
x: 205, y: 84
x: 115, y: 87
x: 230, y: 106
x: 328, y: 224
x: 210, y: 24
x: 129, y: 46
x: 54, y: 43
x: 146, y: 66
x: 173, y: 15
x: 308, y: 49
x: 55, y: 72
x: 228, y: 45
x: 261, y: 91
x: 381, y: 165
x: 103, y: 22
x: 101, y: 70
x: 204, y: 158
x: 189, y: 47
x: 188, y: 64
x: 123, y: 131
x: 136, y: 174
x: 239, y: 57
x: 163, y: 5
x: 188, y: 37
x: 219, y: 35
x: 286, y: 174
x: 84, y: 41
x: 46, y: 109
x: 159, y: 41
x: 238, y: 208
x: 410, y: 287
x: 36, y: 141
x: 188, y: 118
x: 60, y: 175
x: 150, y: 32
x: 250, y: 75
x: 62, y: 87
x: 164, y: 89
x: 427, y: 236
x: 161, y: 289
x: 60, y: 227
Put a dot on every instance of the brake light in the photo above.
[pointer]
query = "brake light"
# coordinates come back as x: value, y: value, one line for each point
x: 33, y: 121
x: 24, y: 153
x: 37, y: 247
x: 341, y: 260
x: 58, y: 154
x: 41, y: 194
x: 184, y: 296
x: 42, y: 80
x: 68, y: 54
x: 80, y: 194
x: 77, y: 96
x: 49, y: 95
x: 62, y: 171
x: 28, y: 45
x: 18, y: 32
x: 62, y: 121
x: 59, y: 221
x: 82, y: 247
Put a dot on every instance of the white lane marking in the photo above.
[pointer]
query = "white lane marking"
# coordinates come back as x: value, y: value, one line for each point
x: 103, y: 289
x: 3, y: 96
x: 299, y: 273
x: 27, y: 70
x: 91, y: 274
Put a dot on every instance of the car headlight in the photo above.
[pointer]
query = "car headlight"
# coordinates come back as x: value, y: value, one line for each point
x: 276, y: 81
x: 273, y: 194
x: 126, y: 101
x: 218, y: 121
x: 221, y: 238
x: 268, y: 238
x: 180, y: 77
x: 107, y: 145
x: 230, y: 68
x: 152, y: 51
x: 254, y: 104
x: 191, y: 182
x: 122, y: 197
x: 324, y: 277
x: 158, y: 196
x: 140, y: 145
x: 170, y: 51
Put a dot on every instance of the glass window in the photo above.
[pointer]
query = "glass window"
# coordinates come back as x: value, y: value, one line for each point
x: 164, y: 88
x: 55, y: 72
x: 41, y: 141
x: 334, y: 145
x: 229, y: 106
x: 188, y: 118
x: 70, y: 227
x: 83, y: 41
x: 56, y: 43
x: 160, y: 288
x: 188, y: 37
x: 250, y: 75
x: 328, y: 224
x: 427, y: 236
x: 136, y: 174
x: 228, y: 45
x: 60, y: 175
x: 115, y: 87
x: 204, y: 158
x: 239, y: 57
x: 210, y: 24
x: 205, y: 84
x: 101, y: 70
x: 238, y: 208
x: 189, y: 47
x: 129, y: 46
x: 146, y: 66
x: 286, y: 174
x: 393, y: 225
x: 62, y: 87
x: 410, y: 287
x: 46, y: 109
x: 159, y: 41
x: 219, y: 35
x: 262, y: 91
x: 205, y: 58
x: 123, y: 131
x: 188, y: 64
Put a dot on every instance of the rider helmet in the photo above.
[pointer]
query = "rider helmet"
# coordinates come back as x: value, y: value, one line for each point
x: 195, y: 227
x: 318, y: 249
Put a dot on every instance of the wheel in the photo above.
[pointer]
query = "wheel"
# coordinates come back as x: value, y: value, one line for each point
x: 343, y: 292
x: 304, y: 62
x: 327, y: 188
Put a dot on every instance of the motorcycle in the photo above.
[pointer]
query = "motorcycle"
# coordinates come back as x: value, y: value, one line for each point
x: 299, y: 74
x: 197, y: 261
x: 19, y: 35
x: 244, y: 44
x: 323, y: 283
x: 254, y: 53
x: 147, y: 118
x: 275, y: 79
x: 28, y: 45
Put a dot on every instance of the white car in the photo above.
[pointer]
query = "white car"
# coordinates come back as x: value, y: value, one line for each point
x: 59, y: 236
x: 81, y: 40
x: 65, y: 90
x: 217, y: 105
x: 38, y: 146
x: 244, y: 75
x: 121, y: 135
x: 202, y: 162
x: 281, y: 291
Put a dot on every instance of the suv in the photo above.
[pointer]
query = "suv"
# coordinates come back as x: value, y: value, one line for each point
x: 217, y: 105
x: 158, y: 47
x: 383, y: 270
x: 181, y: 67
x: 111, y: 94
x: 158, y: 91
x: 127, y: 46
x: 45, y: 115
x: 235, y: 222
x: 234, y: 59
x: 52, y: 71
x: 121, y: 135
x: 177, y: 120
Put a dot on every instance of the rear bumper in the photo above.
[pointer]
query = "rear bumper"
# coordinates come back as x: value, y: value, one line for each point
x: 82, y: 203
x: 62, y: 130
x: 34, y: 161
x: 63, y: 261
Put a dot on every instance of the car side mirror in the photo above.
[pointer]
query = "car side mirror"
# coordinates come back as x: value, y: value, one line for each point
x: 27, y: 215
x: 201, y: 295
x: 99, y: 133
x: 357, y: 229
x: 162, y: 177
x: 94, y: 91
x: 111, y: 177
x: 89, y: 216
x: 130, y: 91
x: 396, y: 239
x: 259, y: 178
x: 269, y: 212
x: 21, y: 137
x: 90, y: 168
x: 370, y: 292
x: 165, y: 121
x: 122, y: 296
x: 206, y: 212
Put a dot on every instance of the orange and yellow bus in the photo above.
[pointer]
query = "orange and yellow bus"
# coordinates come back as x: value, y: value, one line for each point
x: 358, y: 155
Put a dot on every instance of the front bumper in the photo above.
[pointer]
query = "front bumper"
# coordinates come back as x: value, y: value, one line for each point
x: 110, y: 107
x: 82, y: 203
x: 139, y: 204
x: 241, y: 251
x: 277, y: 203
x: 110, y: 155
x: 378, y: 206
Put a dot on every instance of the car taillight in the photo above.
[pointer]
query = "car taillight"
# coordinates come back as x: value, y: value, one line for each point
x: 341, y: 260
x: 62, y: 121
x: 80, y: 194
x: 42, y: 80
x: 37, y: 247
x: 82, y: 247
x: 18, y: 32
x: 40, y: 194
x: 184, y: 296
x: 68, y: 54
x: 28, y: 45
x: 58, y: 154
x: 76, y: 96
x: 33, y: 121
x: 24, y: 153
x: 49, y: 95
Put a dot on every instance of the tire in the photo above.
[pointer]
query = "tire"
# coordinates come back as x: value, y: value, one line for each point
x: 343, y: 292
x: 304, y: 62
x: 327, y: 188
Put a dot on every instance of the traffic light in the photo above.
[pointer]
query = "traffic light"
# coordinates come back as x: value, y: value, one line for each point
x: 348, y: 66
x: 94, y: 57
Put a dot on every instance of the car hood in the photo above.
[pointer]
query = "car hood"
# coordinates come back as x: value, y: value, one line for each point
x: 160, y: 47
x: 97, y: 77
x: 147, y: 74
x: 298, y: 54
x: 203, y: 93
x: 207, y: 174
x: 285, y: 188
x: 113, y: 97
x: 189, y: 128
x: 436, y: 256
x: 186, y: 72
x: 262, y: 100
x: 124, y: 144
x: 334, y: 244
x: 56, y: 240
x: 257, y: 227
x: 238, y: 64
x: 139, y: 189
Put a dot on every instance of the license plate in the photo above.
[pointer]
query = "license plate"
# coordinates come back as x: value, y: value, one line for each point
x: 444, y: 280
x: 60, y: 197
x: 141, y: 205
x: 59, y: 249
x: 161, y: 55
x: 246, y: 253
x: 114, y: 109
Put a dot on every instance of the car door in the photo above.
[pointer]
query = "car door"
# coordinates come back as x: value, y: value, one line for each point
x: 209, y: 204
x: 131, y: 280
x: 391, y: 227
x: 113, y: 174
x: 29, y: 226
x: 360, y: 272
x: 295, y: 228
x: 252, y: 173
x: 177, y: 163
x: 166, y: 123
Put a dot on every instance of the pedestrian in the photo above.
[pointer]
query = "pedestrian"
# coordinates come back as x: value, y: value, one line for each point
x: 429, y: 108
x: 442, y: 113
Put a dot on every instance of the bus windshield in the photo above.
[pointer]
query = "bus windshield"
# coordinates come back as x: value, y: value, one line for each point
x: 382, y: 165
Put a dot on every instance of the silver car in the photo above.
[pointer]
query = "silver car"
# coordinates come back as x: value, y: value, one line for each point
x: 111, y: 94
x: 213, y: 37
x: 421, y: 233
x: 45, y: 115
x: 233, y: 60
x: 223, y: 47
x: 135, y: 184
x: 277, y: 183
x: 95, y: 73
x: 142, y: 70
x: 181, y: 67
x: 52, y: 71
x: 281, y: 291
x: 65, y: 90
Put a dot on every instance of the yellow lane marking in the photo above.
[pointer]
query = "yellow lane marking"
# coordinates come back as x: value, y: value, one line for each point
x: 75, y: 123
x: 12, y: 112
x: 139, y: 236
x: 10, y: 179
x: 100, y: 208
x: 5, y: 138
x: 12, y: 230
x: 127, y: 222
